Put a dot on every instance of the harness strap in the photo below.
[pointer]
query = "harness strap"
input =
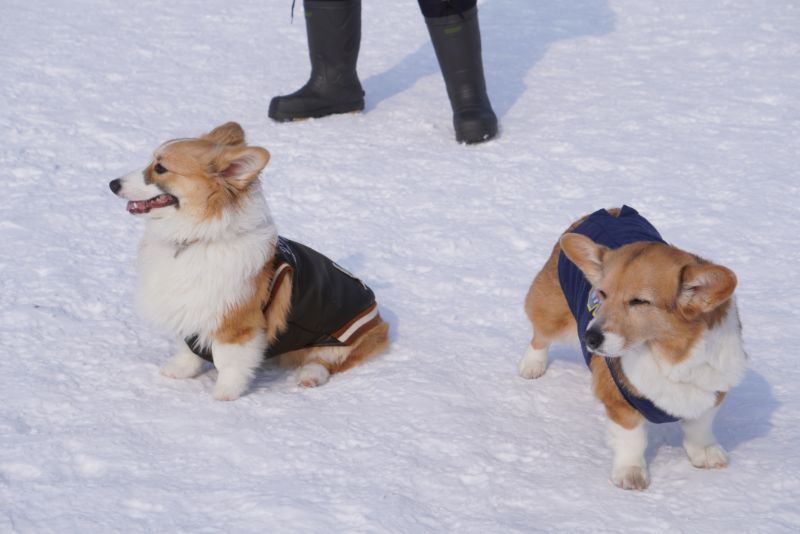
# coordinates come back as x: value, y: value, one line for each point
x: 277, y: 278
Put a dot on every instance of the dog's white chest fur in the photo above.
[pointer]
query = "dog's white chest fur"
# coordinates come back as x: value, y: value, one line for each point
x: 187, y: 289
x: 716, y: 363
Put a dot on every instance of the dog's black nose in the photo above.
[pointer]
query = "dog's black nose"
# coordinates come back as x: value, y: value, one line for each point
x: 115, y: 185
x: 594, y: 338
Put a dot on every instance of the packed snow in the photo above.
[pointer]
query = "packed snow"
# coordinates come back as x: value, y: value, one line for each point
x: 686, y: 110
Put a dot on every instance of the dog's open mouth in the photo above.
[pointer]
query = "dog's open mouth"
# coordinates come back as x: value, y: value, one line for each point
x: 138, y: 207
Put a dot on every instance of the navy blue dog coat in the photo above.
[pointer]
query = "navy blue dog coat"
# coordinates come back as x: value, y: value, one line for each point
x: 613, y: 232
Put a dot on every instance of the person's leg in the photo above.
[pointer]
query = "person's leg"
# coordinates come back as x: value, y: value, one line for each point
x: 456, y: 38
x: 333, y: 28
x: 443, y: 8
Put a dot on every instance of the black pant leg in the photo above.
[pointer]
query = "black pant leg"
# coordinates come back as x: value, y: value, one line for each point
x: 444, y: 8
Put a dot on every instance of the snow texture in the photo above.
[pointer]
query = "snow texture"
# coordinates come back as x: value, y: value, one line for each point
x: 686, y: 110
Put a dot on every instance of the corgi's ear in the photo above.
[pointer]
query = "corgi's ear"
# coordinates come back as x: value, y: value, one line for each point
x: 704, y: 286
x: 586, y: 254
x: 239, y: 167
x: 229, y: 133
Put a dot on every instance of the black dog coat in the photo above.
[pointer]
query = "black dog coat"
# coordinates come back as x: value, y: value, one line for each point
x: 329, y: 306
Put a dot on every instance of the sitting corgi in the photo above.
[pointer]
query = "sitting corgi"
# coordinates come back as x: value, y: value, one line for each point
x: 658, y: 327
x: 214, y: 272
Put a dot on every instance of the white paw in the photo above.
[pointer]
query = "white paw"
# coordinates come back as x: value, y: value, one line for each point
x: 182, y: 365
x: 312, y: 375
x: 711, y: 457
x: 231, y: 383
x: 533, y: 363
x: 630, y: 477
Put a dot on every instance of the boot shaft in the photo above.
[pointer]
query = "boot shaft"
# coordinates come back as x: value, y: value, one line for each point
x: 457, y: 42
x: 334, y: 39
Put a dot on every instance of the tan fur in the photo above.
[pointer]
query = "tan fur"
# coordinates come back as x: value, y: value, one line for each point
x: 676, y: 316
x: 617, y: 408
x: 704, y: 286
x: 243, y: 322
x: 667, y: 277
x: 280, y: 304
x: 229, y: 133
x: 221, y: 169
x: 372, y: 342
x: 717, y: 315
x: 545, y: 304
x: 208, y: 163
x: 657, y: 301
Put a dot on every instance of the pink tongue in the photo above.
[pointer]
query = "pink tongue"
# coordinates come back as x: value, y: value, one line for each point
x: 138, y: 206
x: 143, y: 206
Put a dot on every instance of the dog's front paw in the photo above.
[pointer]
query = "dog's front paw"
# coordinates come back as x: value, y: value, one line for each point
x: 711, y: 457
x: 630, y: 477
x: 230, y: 385
x: 533, y: 363
x: 182, y: 365
x: 312, y: 375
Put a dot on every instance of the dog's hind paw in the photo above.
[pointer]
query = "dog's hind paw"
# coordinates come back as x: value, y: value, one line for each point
x: 312, y: 375
x: 182, y: 365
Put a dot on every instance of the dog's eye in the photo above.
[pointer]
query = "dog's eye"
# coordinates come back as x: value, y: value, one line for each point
x: 602, y: 294
x: 638, y: 302
x: 159, y: 168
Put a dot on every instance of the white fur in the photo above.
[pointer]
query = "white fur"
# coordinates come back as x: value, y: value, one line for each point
x: 191, y: 273
x: 184, y: 364
x: 312, y: 375
x: 629, y: 469
x: 533, y: 363
x: 236, y: 364
x: 133, y: 187
x: 612, y: 345
x: 700, y: 444
x: 688, y: 389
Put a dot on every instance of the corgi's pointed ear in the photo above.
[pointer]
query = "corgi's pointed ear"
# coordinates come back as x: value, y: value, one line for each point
x: 704, y: 286
x: 586, y: 254
x: 229, y: 133
x: 240, y: 166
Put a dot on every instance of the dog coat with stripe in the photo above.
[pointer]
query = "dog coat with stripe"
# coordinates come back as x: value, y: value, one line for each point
x: 329, y: 306
x: 613, y: 232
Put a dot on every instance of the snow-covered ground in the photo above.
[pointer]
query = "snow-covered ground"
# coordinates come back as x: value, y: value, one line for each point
x: 687, y: 110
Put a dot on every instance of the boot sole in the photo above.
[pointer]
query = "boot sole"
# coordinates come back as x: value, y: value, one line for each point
x: 350, y: 107
x: 478, y: 133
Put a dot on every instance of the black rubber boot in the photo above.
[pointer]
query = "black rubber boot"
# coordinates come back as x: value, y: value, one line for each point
x: 457, y: 42
x: 334, y: 36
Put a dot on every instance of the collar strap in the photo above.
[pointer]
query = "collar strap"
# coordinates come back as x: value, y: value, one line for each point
x: 180, y: 246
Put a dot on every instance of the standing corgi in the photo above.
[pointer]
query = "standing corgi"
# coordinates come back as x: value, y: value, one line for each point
x: 658, y: 327
x: 213, y: 271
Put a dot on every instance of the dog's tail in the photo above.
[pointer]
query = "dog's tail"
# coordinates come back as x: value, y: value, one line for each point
x: 373, y: 342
